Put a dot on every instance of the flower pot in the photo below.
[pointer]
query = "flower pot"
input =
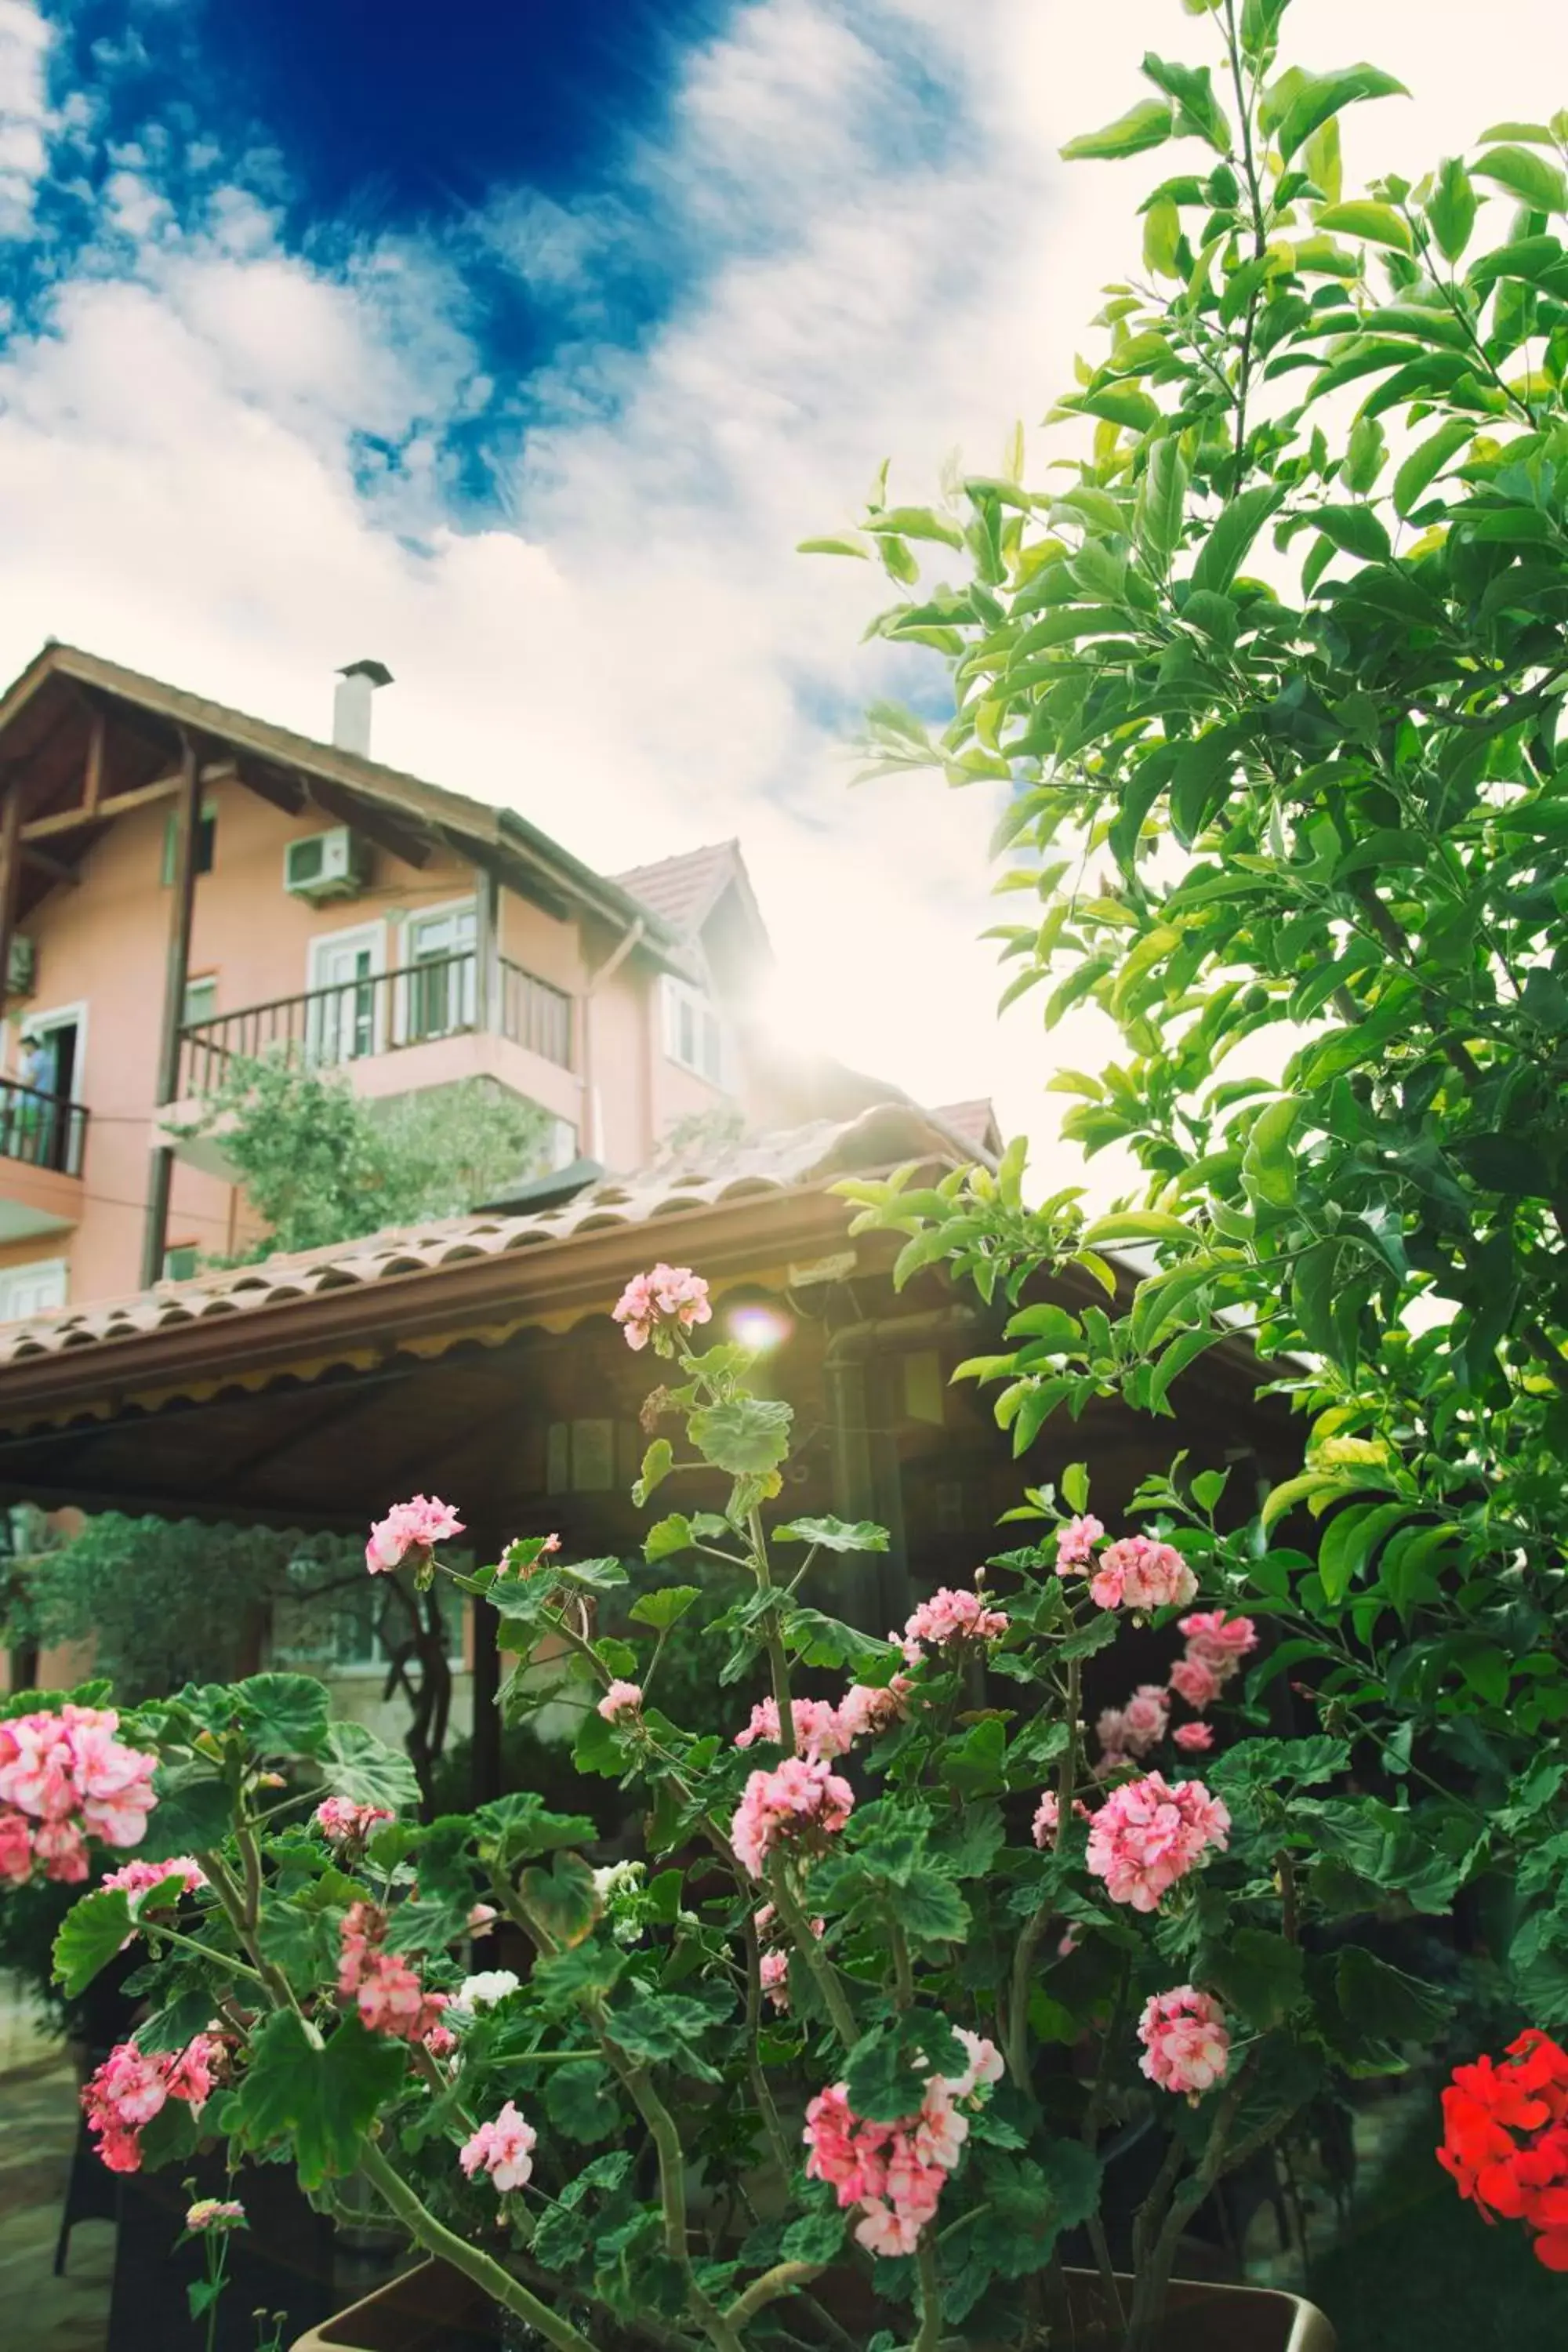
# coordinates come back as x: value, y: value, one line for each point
x: 435, y: 2309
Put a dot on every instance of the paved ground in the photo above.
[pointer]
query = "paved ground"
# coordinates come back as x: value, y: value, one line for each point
x: 37, y: 2105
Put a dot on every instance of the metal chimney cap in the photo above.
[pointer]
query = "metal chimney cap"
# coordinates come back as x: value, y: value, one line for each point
x: 377, y: 672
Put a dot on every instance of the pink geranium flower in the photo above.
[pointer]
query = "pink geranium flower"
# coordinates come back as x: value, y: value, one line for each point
x: 818, y: 1731
x: 865, y: 1710
x: 503, y: 2147
x: 893, y: 2173
x: 621, y: 1702
x: 342, y: 1822
x: 1075, y: 1542
x: 16, y: 1846
x: 950, y: 1616
x: 1194, y: 1737
x: 1147, y: 1836
x: 1138, y: 1573
x: 412, y: 1528
x: 1218, y: 1642
x: 68, y: 1773
x: 1145, y: 1719
x: 1048, y: 1813
x: 1187, y: 2047
x: 666, y: 1294
x: 1196, y: 1680
x: 797, y: 1803
x: 131, y: 2087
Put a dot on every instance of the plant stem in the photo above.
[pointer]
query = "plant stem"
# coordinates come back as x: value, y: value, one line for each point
x: 189, y: 1944
x: 930, y: 2335
x: 782, y: 2279
x: 437, y: 2239
x: 824, y: 1975
x: 778, y: 1664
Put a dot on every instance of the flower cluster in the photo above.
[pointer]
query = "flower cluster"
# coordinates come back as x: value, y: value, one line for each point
x: 414, y: 1528
x: 133, y: 2086
x: 666, y: 1294
x: 1138, y: 1573
x: 503, y: 2147
x: 137, y: 1878
x: 1075, y: 1542
x: 385, y: 1990
x: 214, y: 2214
x: 342, y: 1822
x: 1505, y: 2139
x: 1148, y: 1834
x: 894, y: 2172
x: 63, y: 1778
x: 621, y: 1702
x: 819, y: 1735
x: 1135, y: 1729
x: 797, y: 1803
x: 1185, y: 2046
x: 1216, y: 1642
x: 481, y: 1991
x: 950, y: 1616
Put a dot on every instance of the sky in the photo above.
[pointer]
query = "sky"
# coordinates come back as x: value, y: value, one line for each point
x: 516, y: 345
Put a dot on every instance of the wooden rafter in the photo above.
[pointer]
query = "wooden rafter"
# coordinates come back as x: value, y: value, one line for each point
x: 162, y: 788
x: 388, y: 833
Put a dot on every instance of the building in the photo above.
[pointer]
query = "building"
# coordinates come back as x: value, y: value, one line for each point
x: 181, y: 886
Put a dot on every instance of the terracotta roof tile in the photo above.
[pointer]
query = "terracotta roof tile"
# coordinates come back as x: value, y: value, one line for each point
x: 815, y: 1155
x: 680, y: 890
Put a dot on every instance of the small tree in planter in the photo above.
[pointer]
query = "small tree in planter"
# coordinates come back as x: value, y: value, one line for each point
x: 909, y: 1974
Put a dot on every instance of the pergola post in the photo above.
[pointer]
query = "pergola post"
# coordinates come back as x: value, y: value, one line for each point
x: 10, y: 877
x: 487, y: 1005
x: 176, y: 975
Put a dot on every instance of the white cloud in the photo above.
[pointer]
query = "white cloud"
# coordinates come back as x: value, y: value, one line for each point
x: 24, y: 40
x: 645, y: 663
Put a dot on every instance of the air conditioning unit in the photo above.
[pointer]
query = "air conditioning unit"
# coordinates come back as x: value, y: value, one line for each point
x: 21, y: 965
x: 323, y: 865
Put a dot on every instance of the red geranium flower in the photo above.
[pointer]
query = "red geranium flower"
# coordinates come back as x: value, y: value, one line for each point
x: 1505, y: 2139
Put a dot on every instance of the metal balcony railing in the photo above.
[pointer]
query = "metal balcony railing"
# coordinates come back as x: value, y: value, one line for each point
x: 42, y: 1130
x: 378, y: 1013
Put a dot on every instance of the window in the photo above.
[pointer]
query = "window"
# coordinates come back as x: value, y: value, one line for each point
x: 32, y: 1289
x: 207, y: 843
x: 692, y: 1036
x: 180, y: 1262
x: 201, y: 1001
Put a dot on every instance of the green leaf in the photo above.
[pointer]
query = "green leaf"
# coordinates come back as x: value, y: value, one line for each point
x: 1227, y: 546
x: 832, y: 546
x: 1074, y: 1483
x: 1355, y: 528
x: 283, y: 1714
x: 562, y: 1899
x: 320, y: 2101
x: 664, y: 2029
x: 1137, y: 1225
x: 1258, y: 1974
x: 89, y: 1936
x: 835, y: 1535
x: 656, y: 1465
x: 579, y: 2101
x: 931, y: 1909
x: 747, y: 1437
x: 1379, y: 224
x: 1350, y: 1541
x: 1052, y: 1326
x: 194, y: 1810
x: 667, y: 1537
x: 361, y: 1766
x: 814, y: 2237
x: 1381, y: 2002
x: 889, y: 2066
x: 1528, y: 176
x: 665, y: 1608
x: 1147, y: 124
x: 1162, y: 504
x: 1451, y: 209
x: 1319, y: 96
x: 1267, y: 1168
x: 1427, y: 459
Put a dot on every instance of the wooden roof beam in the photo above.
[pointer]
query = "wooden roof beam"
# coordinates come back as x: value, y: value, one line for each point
x: 388, y: 833
x: 55, y: 867
x: 284, y: 791
x: 162, y: 788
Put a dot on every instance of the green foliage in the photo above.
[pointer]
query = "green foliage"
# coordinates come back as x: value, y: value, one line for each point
x: 320, y: 1166
x: 162, y: 1601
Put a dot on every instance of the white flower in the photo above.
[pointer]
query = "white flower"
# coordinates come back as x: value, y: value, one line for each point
x: 479, y: 1993
x: 618, y: 1878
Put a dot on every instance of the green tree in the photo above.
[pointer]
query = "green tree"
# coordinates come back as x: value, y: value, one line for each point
x: 1272, y: 674
x: 320, y: 1166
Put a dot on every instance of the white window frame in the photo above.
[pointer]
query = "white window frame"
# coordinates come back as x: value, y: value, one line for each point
x: 60, y: 1016
x: 675, y: 994
x: 372, y: 935
x: 11, y: 1275
x: 408, y: 931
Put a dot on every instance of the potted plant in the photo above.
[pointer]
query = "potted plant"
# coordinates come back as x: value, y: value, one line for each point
x: 916, y: 1971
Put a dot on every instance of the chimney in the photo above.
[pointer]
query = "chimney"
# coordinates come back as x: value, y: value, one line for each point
x: 351, y: 705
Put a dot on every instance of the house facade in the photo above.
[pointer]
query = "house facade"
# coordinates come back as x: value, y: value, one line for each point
x: 183, y: 887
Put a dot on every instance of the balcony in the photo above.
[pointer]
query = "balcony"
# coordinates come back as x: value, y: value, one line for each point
x: 392, y: 1033
x: 43, y: 1139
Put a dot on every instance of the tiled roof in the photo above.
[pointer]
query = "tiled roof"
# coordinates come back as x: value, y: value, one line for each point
x: 809, y: 1157
x: 974, y: 1120
x: 680, y: 890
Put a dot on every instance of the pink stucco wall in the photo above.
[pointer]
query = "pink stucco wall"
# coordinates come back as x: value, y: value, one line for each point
x: 103, y: 944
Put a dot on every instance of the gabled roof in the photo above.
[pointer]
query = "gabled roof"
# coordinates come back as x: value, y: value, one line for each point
x: 46, y: 721
x: 682, y: 891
